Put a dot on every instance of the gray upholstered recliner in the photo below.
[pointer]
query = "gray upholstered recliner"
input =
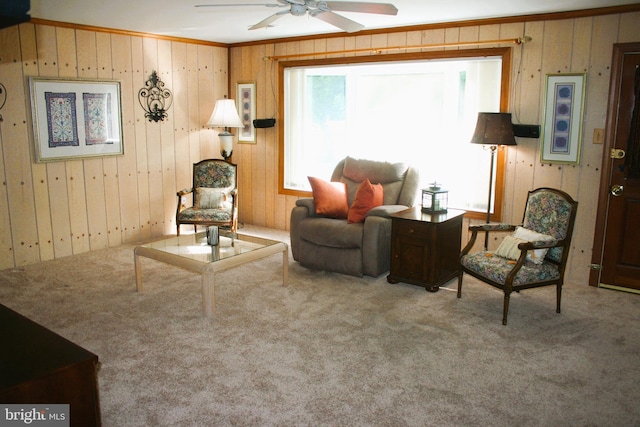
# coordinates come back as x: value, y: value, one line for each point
x: 359, y: 248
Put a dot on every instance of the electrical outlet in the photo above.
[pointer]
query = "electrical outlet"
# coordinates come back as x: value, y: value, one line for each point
x: 184, y: 200
x: 598, y: 136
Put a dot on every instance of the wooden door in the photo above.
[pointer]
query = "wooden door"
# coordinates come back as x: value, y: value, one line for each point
x: 616, y: 259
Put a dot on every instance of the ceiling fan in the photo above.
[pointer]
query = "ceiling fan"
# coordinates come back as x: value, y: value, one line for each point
x: 323, y: 10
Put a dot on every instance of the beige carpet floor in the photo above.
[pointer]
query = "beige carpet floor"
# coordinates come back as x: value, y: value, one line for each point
x: 335, y: 350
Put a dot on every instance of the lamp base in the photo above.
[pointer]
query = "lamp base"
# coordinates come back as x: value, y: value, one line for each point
x: 226, y: 144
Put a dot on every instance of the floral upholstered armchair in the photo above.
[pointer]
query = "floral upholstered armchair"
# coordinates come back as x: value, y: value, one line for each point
x: 534, y: 255
x: 214, y: 196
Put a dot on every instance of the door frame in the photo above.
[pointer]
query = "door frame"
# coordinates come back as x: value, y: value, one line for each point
x: 604, y: 195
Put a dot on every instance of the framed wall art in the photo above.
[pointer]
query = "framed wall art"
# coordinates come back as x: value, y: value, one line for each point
x: 246, y: 96
x: 563, y: 110
x: 75, y: 118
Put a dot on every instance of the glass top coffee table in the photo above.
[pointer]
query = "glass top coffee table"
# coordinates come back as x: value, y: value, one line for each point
x: 192, y: 253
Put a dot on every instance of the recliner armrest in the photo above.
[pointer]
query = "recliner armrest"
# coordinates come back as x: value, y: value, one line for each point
x: 386, y: 210
x: 309, y: 204
x: 376, y: 245
x: 304, y: 208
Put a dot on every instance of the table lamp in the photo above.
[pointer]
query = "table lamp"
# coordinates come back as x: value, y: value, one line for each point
x: 225, y: 115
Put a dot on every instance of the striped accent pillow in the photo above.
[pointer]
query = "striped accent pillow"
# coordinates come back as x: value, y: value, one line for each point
x: 509, y: 248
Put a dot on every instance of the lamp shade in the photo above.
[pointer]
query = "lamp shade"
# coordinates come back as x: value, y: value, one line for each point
x: 494, y: 129
x: 225, y: 115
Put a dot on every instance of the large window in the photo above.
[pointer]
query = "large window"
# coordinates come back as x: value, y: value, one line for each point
x: 420, y: 110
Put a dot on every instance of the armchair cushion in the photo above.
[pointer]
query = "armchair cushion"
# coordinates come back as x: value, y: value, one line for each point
x: 192, y: 214
x: 210, y: 198
x: 330, y: 198
x: 497, y: 268
x: 332, y: 233
x: 360, y: 169
x: 537, y: 255
x: 509, y: 248
x: 392, y: 176
x: 551, y: 217
x: 368, y: 196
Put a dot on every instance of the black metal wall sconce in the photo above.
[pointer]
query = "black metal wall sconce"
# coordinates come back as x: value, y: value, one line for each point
x: 3, y: 97
x: 155, y: 99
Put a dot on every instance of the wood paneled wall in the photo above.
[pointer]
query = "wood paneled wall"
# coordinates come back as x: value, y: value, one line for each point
x: 52, y: 210
x: 580, y: 45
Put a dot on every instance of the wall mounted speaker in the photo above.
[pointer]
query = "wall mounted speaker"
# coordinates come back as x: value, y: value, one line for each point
x: 527, y: 131
x: 14, y: 12
x: 264, y: 123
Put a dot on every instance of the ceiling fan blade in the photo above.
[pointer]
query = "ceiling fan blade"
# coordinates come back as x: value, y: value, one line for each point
x: 363, y: 7
x: 267, y: 21
x: 339, y: 21
x: 241, y: 4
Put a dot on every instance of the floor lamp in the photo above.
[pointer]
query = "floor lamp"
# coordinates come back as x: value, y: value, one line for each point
x: 493, y: 130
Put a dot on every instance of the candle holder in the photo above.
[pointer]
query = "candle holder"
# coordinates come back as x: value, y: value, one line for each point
x: 155, y: 99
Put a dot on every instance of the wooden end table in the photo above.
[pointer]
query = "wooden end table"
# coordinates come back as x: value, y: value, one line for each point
x: 425, y: 248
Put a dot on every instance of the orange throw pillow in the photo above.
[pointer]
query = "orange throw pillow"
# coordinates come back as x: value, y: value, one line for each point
x: 329, y: 197
x: 368, y: 196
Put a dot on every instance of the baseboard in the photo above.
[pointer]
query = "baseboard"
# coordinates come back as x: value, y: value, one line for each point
x: 619, y: 288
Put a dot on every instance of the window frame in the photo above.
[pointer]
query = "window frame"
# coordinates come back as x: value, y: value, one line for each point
x: 503, y: 52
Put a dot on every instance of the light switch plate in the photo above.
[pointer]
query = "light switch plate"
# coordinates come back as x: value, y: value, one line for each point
x: 598, y: 136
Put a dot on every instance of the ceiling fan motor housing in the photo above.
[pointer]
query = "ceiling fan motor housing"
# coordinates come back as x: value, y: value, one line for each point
x: 298, y: 9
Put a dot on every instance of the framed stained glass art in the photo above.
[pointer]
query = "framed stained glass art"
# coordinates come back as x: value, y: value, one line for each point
x: 75, y: 118
x: 563, y: 111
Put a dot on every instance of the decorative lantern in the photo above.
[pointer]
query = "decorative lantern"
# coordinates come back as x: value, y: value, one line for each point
x: 434, y: 199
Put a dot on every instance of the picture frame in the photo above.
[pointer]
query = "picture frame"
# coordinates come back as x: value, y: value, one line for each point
x: 563, y: 112
x: 246, y: 97
x: 75, y: 118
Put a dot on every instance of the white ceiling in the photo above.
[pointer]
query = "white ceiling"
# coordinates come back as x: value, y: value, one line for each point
x: 179, y: 18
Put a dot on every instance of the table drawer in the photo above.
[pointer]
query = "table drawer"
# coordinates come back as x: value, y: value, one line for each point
x: 412, y: 229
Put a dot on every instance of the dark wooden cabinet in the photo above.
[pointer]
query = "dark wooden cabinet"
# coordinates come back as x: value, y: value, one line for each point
x: 425, y: 248
x: 38, y: 366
